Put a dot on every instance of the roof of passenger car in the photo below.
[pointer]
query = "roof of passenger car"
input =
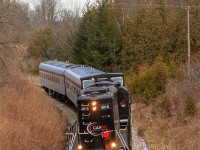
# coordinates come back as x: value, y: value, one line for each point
x: 58, y: 63
x: 84, y: 71
x: 77, y: 71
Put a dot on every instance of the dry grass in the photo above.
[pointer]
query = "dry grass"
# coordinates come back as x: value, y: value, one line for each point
x: 167, y: 133
x: 177, y: 131
x: 28, y: 118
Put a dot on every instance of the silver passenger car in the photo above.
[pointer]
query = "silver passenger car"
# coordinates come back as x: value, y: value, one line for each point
x: 52, y: 76
x: 66, y: 79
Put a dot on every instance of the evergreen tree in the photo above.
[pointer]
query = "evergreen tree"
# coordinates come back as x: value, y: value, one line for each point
x: 153, y: 32
x: 98, y: 40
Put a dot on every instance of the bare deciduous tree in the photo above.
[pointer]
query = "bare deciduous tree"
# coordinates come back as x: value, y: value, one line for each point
x: 13, y: 24
x: 46, y: 13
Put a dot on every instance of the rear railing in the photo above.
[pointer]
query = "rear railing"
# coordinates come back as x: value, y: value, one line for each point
x: 122, y: 142
x: 71, y: 136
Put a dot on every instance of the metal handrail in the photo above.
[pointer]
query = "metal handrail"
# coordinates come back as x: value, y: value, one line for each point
x: 71, y: 135
x: 73, y: 132
x: 122, y: 139
x: 74, y: 135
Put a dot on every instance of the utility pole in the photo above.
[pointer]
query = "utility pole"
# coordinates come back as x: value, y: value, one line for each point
x: 188, y: 23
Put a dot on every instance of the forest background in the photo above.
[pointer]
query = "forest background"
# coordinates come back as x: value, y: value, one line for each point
x: 146, y: 40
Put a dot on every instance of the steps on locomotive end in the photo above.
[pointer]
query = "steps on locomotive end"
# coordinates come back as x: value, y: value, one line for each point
x: 123, y: 123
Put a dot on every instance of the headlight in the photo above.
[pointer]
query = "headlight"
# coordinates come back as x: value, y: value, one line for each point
x: 80, y: 147
x: 94, y: 103
x: 94, y: 108
x: 113, y: 144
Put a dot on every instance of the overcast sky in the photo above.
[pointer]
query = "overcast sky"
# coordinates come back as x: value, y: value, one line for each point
x: 70, y: 4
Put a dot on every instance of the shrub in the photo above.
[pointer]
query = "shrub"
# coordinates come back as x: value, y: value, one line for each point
x: 190, y: 107
x: 141, y: 131
x: 163, y: 108
x: 150, y: 83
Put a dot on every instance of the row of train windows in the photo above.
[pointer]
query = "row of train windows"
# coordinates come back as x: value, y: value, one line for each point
x: 72, y: 88
x: 50, y: 77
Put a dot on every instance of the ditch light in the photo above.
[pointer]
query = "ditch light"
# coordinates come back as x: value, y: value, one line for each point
x: 80, y: 147
x: 112, y: 146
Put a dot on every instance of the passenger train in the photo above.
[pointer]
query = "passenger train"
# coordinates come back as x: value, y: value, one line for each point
x: 101, y: 99
x: 66, y: 79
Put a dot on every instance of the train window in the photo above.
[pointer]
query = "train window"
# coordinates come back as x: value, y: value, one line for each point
x: 67, y: 84
x: 102, y: 79
x: 71, y: 88
x: 74, y: 90
x: 87, y: 83
x: 118, y: 80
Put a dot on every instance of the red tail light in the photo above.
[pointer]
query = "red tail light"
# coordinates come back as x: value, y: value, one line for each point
x: 107, y: 146
x: 106, y: 135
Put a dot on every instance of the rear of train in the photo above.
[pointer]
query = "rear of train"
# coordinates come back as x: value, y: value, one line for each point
x: 99, y: 120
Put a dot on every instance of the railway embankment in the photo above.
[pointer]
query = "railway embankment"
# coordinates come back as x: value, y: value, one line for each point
x: 28, y: 117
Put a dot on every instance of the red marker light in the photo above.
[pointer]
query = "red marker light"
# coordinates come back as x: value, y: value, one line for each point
x: 106, y: 135
x: 107, y: 146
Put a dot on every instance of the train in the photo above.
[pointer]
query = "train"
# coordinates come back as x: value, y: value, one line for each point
x: 102, y: 101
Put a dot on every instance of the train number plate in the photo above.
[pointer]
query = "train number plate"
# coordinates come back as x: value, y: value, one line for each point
x: 105, y: 106
x: 84, y: 108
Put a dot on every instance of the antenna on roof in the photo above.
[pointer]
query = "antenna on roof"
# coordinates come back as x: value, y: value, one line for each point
x: 92, y: 69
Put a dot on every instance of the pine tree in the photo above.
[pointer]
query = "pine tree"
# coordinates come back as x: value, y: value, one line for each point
x: 98, y: 40
x: 154, y: 32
